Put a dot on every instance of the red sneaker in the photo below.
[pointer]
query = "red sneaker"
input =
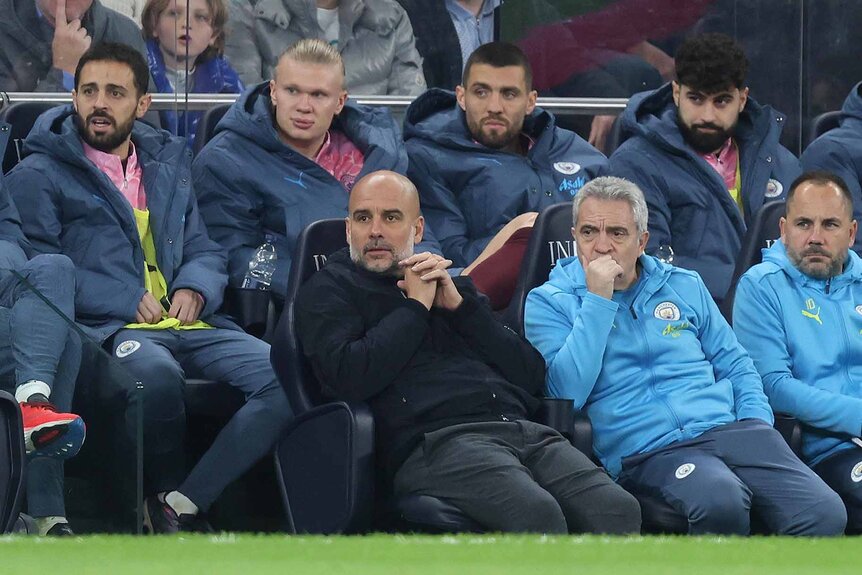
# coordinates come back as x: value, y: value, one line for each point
x: 51, y: 434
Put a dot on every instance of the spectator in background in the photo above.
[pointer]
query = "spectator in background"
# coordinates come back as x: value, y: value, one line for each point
x: 129, y: 8
x: 798, y: 315
x: 41, y: 42
x: 374, y: 37
x: 597, y: 49
x: 840, y: 151
x: 447, y: 32
x: 115, y: 196
x: 287, y: 153
x: 707, y: 158
x: 486, y: 160
x: 185, y: 55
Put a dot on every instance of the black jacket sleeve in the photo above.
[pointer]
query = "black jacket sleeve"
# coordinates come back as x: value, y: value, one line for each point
x: 351, y: 362
x: 498, y: 346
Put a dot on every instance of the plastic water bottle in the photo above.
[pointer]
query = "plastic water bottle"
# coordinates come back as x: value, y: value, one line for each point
x: 261, y: 267
x: 664, y: 253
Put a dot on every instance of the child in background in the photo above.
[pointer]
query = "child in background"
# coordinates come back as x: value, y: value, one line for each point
x: 186, y: 55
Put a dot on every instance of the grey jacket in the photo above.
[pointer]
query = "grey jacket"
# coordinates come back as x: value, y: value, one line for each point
x: 25, y: 44
x: 375, y: 40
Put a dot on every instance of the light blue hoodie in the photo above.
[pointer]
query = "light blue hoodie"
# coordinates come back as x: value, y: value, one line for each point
x: 656, y: 365
x: 805, y: 336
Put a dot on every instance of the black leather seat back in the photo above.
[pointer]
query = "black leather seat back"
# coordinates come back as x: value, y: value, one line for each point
x: 550, y: 241
x: 207, y: 126
x: 21, y: 116
x: 762, y: 233
x: 314, y: 244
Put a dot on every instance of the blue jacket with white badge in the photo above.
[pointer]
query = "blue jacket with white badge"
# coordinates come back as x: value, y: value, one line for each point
x: 469, y: 191
x: 690, y: 208
x: 840, y: 151
x: 805, y: 336
x: 69, y: 206
x: 656, y: 365
x: 250, y: 184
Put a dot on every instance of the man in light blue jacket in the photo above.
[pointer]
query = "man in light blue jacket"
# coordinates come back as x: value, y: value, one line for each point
x: 799, y: 315
x: 677, y: 408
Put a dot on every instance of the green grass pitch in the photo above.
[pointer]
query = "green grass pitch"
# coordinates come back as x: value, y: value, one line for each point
x: 244, y: 554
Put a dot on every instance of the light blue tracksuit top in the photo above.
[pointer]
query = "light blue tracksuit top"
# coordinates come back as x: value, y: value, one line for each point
x: 656, y: 365
x: 805, y: 336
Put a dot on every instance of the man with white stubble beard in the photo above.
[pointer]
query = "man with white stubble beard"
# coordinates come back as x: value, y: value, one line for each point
x: 451, y: 388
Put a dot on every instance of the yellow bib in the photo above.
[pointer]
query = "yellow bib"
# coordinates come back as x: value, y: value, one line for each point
x: 736, y: 191
x: 154, y: 281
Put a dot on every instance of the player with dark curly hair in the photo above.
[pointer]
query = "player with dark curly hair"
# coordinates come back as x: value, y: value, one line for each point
x: 707, y: 158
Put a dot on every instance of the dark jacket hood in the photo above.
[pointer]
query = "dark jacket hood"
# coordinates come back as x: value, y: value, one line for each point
x: 56, y: 135
x: 653, y: 115
x: 852, y: 108
x: 369, y: 128
x: 436, y: 116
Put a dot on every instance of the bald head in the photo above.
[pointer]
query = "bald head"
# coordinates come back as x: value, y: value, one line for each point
x: 383, y: 221
x: 377, y: 182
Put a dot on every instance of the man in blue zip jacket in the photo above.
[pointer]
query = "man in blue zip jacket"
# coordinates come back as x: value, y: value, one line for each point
x: 840, y: 151
x: 486, y: 160
x: 799, y: 315
x: 115, y: 196
x: 707, y: 158
x: 286, y: 154
x: 678, y: 410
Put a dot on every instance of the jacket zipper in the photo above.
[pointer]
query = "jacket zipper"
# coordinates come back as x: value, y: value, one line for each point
x: 847, y: 350
x: 670, y: 411
x: 167, y: 213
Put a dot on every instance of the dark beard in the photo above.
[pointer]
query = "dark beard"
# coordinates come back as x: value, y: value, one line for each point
x: 835, y: 267
x: 503, y: 141
x: 104, y: 143
x: 702, y: 142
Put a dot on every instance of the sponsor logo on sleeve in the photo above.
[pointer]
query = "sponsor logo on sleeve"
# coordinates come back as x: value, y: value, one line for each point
x: 572, y: 186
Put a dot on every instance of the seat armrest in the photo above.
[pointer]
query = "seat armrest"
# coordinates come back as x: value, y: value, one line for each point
x: 571, y: 423
x: 325, y: 469
x: 791, y: 430
x: 556, y: 413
